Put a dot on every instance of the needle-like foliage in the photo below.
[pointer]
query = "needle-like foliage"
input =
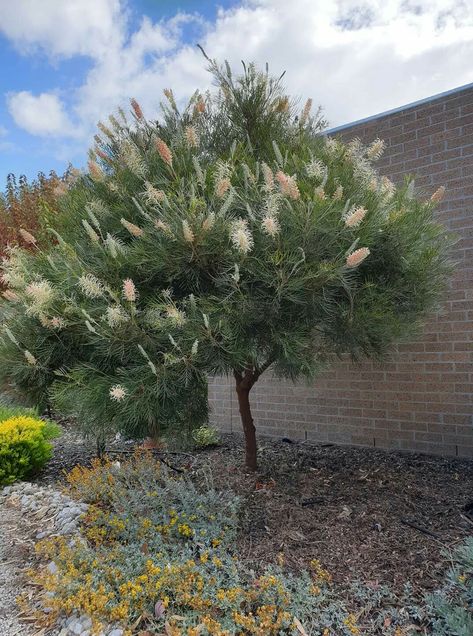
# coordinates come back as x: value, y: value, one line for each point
x: 227, y: 238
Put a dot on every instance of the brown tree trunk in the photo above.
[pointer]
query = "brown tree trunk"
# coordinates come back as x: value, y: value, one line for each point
x: 243, y: 388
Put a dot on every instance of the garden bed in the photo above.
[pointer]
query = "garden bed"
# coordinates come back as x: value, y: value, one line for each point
x: 380, y: 516
x: 375, y: 521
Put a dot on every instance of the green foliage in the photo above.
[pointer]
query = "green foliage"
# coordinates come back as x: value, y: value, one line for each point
x: 228, y: 238
x: 166, y: 549
x: 24, y: 446
x: 206, y: 436
x: 7, y: 411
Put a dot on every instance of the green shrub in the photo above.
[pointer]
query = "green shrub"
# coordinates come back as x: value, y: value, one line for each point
x: 24, y: 446
x: 205, y: 436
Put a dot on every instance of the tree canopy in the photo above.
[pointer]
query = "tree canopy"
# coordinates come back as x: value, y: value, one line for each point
x: 227, y: 238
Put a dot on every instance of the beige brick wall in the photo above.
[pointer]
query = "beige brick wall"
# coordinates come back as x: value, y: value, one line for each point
x: 421, y: 399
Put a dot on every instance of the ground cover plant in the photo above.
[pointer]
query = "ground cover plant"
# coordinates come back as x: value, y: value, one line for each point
x: 230, y: 237
x: 158, y: 553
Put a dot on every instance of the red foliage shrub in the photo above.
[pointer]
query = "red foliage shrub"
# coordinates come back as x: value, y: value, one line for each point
x: 21, y: 207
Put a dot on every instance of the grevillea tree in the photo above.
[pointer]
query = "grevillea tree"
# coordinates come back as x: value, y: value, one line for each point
x: 231, y: 237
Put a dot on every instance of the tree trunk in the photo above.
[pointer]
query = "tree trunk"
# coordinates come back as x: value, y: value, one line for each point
x: 243, y: 387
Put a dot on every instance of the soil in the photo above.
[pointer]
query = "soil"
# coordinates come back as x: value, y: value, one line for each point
x: 366, y: 514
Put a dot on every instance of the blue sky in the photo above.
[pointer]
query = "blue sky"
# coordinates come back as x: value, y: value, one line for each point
x: 65, y: 65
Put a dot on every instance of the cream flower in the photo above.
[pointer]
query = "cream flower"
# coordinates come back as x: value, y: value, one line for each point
x: 132, y: 158
x: 241, y: 236
x: 132, y: 228
x: 316, y: 169
x: 94, y: 237
x: 306, y: 111
x: 115, y: 316
x: 27, y: 237
x: 164, y: 227
x: 30, y: 358
x: 129, y: 290
x: 288, y: 185
x: 91, y: 286
x: 105, y: 130
x: 152, y: 195
x: 208, y: 222
x: 338, y: 194
x: 438, y: 195
x: 270, y: 225
x: 268, y: 177
x: 10, y: 295
x: 192, y: 137
x: 222, y: 186
x: 187, y: 232
x: 355, y: 217
x: 95, y: 171
x: 117, y: 393
x: 175, y: 314
x: 376, y: 149
x: 357, y: 257
x: 387, y: 187
x: 332, y: 145
x: 40, y: 292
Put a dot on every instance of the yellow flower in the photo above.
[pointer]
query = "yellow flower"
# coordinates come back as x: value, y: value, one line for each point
x: 185, y: 530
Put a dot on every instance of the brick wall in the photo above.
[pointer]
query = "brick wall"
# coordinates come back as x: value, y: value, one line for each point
x: 421, y: 399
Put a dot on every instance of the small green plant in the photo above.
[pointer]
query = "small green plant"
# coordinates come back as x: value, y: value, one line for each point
x: 7, y: 411
x: 206, y: 436
x: 24, y: 446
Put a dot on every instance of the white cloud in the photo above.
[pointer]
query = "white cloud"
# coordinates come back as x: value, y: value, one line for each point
x: 41, y: 115
x: 355, y: 57
x: 63, y: 28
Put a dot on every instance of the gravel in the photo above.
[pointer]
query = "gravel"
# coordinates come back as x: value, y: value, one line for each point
x: 30, y: 512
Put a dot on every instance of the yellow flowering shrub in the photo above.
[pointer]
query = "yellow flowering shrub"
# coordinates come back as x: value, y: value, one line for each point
x: 24, y: 446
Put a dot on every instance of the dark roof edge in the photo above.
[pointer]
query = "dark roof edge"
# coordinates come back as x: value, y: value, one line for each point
x: 399, y: 109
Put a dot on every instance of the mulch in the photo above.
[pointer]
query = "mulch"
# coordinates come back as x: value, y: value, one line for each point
x: 371, y: 515
x: 365, y: 514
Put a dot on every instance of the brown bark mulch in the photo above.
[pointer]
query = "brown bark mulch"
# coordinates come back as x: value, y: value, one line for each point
x: 366, y: 514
